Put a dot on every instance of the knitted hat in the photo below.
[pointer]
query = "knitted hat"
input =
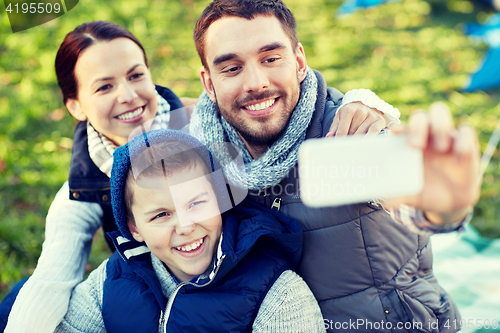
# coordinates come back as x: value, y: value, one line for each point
x: 128, y: 152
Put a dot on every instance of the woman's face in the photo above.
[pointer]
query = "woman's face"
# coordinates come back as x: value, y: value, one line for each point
x: 115, y: 90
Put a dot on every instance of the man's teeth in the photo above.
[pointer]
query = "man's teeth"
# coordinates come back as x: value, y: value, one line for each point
x: 190, y: 247
x: 260, y: 106
x: 130, y: 115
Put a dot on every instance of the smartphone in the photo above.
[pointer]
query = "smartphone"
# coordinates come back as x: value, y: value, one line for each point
x: 352, y: 169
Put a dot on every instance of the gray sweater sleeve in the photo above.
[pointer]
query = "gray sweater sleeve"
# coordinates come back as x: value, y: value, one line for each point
x: 289, y: 306
x: 84, y: 312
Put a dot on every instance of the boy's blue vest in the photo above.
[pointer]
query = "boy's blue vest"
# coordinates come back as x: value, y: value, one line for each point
x: 258, y: 245
x: 87, y: 182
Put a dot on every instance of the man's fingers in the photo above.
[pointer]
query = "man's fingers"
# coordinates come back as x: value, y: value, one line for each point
x: 441, y: 127
x: 466, y: 143
x: 418, y: 130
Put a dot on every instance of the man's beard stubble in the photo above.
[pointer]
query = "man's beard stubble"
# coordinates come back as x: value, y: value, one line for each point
x: 264, y: 137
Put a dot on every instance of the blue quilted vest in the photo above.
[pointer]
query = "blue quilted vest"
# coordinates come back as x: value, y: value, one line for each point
x: 88, y: 183
x: 258, y: 245
x: 359, y: 263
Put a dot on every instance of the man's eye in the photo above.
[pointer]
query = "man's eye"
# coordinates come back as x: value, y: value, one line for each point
x: 232, y: 70
x: 104, y: 87
x: 271, y: 60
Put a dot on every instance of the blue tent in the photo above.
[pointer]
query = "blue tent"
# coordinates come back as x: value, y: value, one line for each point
x: 350, y: 6
x: 488, y: 74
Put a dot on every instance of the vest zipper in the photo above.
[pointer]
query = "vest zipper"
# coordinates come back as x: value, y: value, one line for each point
x: 276, y: 204
x: 164, y: 316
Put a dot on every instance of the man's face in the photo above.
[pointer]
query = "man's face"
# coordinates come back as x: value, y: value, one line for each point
x: 254, y: 75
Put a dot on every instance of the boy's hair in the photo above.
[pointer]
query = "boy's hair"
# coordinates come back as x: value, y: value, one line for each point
x: 247, y: 9
x: 76, y: 42
x: 176, y: 156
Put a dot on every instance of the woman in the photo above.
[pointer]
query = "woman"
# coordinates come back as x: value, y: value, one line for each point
x: 103, y: 73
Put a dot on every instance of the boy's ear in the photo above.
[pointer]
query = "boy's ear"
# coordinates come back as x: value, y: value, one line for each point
x: 135, y: 233
x: 75, y: 109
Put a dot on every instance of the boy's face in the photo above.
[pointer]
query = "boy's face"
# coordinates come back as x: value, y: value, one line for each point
x: 180, y: 223
x: 115, y: 90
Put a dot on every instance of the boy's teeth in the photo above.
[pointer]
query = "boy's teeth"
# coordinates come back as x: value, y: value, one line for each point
x: 190, y: 247
x: 260, y: 106
x: 130, y: 115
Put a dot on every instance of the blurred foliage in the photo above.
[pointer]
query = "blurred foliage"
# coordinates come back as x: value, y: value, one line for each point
x: 411, y: 53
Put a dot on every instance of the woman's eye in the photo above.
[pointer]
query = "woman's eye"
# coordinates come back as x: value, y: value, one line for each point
x: 136, y: 76
x: 104, y: 87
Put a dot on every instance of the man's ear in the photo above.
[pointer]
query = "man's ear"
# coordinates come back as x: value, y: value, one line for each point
x: 75, y: 109
x: 300, y: 57
x: 135, y: 233
x: 207, y: 83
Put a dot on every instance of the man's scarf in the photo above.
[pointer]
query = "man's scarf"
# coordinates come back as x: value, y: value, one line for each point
x: 208, y: 126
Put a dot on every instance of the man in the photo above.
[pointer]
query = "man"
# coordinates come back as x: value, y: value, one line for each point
x: 367, y: 272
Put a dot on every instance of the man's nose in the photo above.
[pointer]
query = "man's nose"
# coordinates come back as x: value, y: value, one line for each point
x: 256, y: 78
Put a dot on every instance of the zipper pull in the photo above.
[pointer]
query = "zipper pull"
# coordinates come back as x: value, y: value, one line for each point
x: 276, y: 204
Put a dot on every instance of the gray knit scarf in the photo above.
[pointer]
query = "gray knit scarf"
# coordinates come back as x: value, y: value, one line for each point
x: 209, y: 127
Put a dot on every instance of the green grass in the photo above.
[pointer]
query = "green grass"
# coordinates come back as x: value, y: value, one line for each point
x: 410, y: 53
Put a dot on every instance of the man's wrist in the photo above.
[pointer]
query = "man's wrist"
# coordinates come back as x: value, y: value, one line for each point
x: 442, y: 223
x: 370, y: 99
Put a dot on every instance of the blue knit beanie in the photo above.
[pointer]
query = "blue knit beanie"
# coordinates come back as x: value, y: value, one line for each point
x: 128, y: 152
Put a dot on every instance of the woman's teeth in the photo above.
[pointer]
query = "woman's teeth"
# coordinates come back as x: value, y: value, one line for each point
x: 260, y: 106
x: 130, y: 115
x: 190, y: 247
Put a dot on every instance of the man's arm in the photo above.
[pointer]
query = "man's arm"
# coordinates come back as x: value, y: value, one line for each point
x: 451, y: 166
x: 43, y: 300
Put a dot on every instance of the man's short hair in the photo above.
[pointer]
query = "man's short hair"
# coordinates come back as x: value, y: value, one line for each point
x: 247, y: 9
x: 178, y: 156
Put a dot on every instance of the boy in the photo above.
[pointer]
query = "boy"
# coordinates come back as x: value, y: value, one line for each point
x: 178, y: 267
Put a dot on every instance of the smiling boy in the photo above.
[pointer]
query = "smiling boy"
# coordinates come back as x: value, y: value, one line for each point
x: 180, y: 265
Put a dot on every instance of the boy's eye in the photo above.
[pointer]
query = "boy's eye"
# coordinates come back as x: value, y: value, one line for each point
x: 163, y: 214
x: 197, y: 203
x: 104, y: 87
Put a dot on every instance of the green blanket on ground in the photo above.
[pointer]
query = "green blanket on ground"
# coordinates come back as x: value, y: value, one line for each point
x: 468, y: 267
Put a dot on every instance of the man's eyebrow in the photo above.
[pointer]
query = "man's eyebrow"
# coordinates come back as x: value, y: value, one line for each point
x: 271, y: 47
x: 224, y: 57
